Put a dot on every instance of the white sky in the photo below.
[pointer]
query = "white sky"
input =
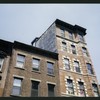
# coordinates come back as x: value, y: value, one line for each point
x: 23, y: 22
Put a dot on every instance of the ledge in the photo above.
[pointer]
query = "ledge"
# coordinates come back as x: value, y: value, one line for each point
x: 71, y: 71
x: 91, y: 75
x: 36, y: 71
x: 51, y: 75
x: 15, y: 95
x: 68, y: 95
x: 20, y: 68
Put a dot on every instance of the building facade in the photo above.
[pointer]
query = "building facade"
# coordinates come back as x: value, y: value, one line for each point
x: 57, y: 63
x: 76, y: 71
x: 28, y: 71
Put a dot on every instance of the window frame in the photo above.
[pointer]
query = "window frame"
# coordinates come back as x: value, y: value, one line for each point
x: 95, y: 90
x: 81, y: 38
x: 90, y: 69
x: 62, y: 31
x: 70, y: 88
x: 18, y: 87
x: 77, y: 68
x: 1, y: 64
x: 83, y: 89
x: 64, y: 46
x: 34, y: 89
x: 84, y: 50
x: 33, y: 68
x: 52, y: 73
x: 18, y: 61
x: 52, y: 85
x: 73, y: 49
x: 71, y: 36
x: 65, y: 64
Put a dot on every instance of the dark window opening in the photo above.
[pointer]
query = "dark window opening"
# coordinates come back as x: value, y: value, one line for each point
x: 51, y: 90
x: 89, y: 67
x: 34, y: 89
x: 0, y: 77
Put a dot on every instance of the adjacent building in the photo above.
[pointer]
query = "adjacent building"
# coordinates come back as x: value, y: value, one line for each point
x: 28, y: 71
x: 57, y: 63
x: 76, y: 71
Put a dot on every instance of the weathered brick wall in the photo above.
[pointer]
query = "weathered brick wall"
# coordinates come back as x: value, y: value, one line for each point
x: 88, y: 79
x: 28, y: 74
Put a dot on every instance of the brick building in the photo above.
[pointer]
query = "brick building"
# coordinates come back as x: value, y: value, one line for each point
x: 57, y: 63
x: 76, y: 71
x: 28, y: 71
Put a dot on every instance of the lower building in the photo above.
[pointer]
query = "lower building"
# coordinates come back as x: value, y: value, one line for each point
x: 28, y: 71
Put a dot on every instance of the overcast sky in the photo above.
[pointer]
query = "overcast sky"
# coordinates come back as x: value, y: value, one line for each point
x: 23, y: 22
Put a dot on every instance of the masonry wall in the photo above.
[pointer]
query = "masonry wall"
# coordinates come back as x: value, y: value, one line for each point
x: 65, y: 74
x: 47, y: 40
x: 27, y: 74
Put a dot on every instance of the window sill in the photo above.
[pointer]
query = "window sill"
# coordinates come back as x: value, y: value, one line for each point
x: 36, y: 71
x: 73, y: 95
x: 15, y: 95
x: 20, y: 68
x: 51, y: 75
x: 91, y: 74
x: 71, y: 71
x: 77, y: 72
x: 68, y: 95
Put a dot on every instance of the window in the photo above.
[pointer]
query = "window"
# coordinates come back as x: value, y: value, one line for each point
x: 62, y: 32
x: 70, y: 86
x: 1, y: 63
x: 81, y: 38
x: 95, y: 90
x: 64, y: 46
x: 81, y: 89
x: 36, y: 63
x: 70, y: 36
x: 0, y: 78
x: 89, y: 67
x: 73, y: 49
x: 51, y: 90
x: 50, y: 68
x: 34, y: 89
x: 20, y: 61
x: 66, y: 62
x: 84, y: 51
x: 16, y: 86
x: 77, y: 67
